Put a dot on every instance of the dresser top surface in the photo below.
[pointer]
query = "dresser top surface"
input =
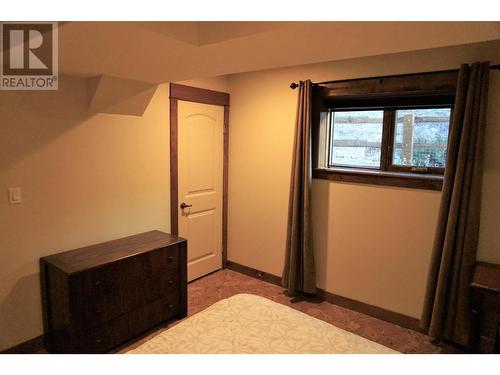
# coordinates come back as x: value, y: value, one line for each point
x: 107, y: 252
x: 486, y: 276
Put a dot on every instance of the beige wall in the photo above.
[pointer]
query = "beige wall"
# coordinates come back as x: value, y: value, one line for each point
x: 90, y: 178
x: 84, y: 178
x: 372, y: 243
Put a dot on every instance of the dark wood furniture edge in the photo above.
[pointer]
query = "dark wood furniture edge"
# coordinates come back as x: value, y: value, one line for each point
x: 31, y: 346
x: 174, y: 195
x: 361, y: 307
x: 197, y: 95
x: 183, y: 296
x: 46, y: 312
x: 225, y: 186
x: 405, y: 180
x: 49, y: 258
x: 488, y: 286
x: 485, y: 306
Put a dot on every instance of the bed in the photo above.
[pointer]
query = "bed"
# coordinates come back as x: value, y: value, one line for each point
x: 249, y: 324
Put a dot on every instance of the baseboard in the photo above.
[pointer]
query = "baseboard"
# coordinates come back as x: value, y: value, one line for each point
x: 377, y: 312
x: 361, y: 307
x: 32, y: 346
x: 252, y: 272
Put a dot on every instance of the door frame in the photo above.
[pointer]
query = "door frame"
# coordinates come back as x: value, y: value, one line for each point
x: 203, y: 96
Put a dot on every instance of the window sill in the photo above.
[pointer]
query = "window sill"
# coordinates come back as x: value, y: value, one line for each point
x: 376, y: 177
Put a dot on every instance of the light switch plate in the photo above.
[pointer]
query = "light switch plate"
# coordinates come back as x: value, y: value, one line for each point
x: 15, y: 196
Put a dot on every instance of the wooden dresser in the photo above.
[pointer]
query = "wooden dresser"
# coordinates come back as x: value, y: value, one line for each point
x: 97, y: 297
x: 486, y: 308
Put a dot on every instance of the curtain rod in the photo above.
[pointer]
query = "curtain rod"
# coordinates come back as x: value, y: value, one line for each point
x: 294, y: 85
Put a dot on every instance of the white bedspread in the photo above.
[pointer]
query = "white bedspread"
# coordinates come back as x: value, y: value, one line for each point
x: 251, y: 324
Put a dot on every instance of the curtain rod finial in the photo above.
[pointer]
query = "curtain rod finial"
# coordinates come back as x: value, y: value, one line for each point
x: 293, y: 85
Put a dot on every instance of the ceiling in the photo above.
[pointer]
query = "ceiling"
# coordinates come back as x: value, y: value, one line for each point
x: 158, y: 52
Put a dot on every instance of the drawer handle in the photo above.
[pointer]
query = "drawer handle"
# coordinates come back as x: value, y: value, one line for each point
x: 171, y: 306
x: 98, y: 283
x: 98, y: 340
x: 170, y: 282
x: 170, y: 258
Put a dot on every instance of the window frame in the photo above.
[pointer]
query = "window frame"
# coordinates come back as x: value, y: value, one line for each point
x: 330, y: 137
x: 390, y: 147
x: 418, y: 91
x: 387, y: 140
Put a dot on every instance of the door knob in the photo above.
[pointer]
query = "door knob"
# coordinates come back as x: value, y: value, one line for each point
x: 184, y: 205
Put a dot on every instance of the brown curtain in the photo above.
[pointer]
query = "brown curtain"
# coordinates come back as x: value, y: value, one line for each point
x: 447, y: 313
x: 299, y: 274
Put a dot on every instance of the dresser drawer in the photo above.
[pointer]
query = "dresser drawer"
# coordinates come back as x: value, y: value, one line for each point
x: 107, y: 279
x: 105, y: 307
x: 486, y: 345
x: 106, y: 337
x: 489, y: 323
x: 490, y: 302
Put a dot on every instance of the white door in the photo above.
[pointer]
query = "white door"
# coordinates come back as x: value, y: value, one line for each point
x: 200, y: 165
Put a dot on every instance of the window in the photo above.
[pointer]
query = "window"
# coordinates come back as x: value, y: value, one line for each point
x: 421, y: 137
x: 391, y: 131
x: 356, y: 138
x: 418, y: 139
